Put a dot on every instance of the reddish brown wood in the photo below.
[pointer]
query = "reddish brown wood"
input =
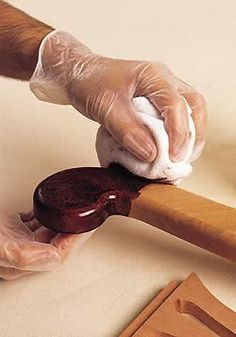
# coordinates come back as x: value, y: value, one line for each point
x: 79, y: 200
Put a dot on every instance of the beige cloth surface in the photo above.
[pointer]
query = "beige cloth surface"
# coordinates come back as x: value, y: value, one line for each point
x: 98, y: 291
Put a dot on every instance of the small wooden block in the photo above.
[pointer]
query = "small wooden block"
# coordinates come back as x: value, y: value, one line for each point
x: 187, y: 309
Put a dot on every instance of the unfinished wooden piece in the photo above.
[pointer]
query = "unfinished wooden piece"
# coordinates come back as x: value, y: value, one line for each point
x: 184, y: 310
x: 150, y: 309
x: 191, y: 217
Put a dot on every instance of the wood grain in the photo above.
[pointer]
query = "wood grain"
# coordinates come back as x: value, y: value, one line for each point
x: 193, y: 218
x: 189, y: 310
x: 150, y: 309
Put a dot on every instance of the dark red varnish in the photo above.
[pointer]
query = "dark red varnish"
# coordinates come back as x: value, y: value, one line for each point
x: 78, y: 200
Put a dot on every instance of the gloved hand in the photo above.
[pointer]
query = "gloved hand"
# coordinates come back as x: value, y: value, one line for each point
x: 26, y: 246
x: 102, y: 89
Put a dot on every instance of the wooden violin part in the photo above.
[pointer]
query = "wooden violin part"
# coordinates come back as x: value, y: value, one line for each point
x: 80, y: 199
x: 182, y: 310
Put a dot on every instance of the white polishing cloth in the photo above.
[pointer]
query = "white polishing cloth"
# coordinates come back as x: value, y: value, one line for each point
x: 110, y: 151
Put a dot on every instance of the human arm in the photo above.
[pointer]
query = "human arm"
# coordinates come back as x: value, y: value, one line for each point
x: 106, y: 94
x: 20, y: 38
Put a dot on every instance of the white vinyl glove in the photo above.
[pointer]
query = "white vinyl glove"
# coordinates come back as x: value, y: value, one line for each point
x: 26, y: 246
x: 102, y: 89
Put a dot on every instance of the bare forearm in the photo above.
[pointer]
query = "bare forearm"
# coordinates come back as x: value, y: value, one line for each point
x: 20, y: 38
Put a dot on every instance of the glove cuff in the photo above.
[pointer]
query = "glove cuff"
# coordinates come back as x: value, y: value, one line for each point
x: 58, y: 53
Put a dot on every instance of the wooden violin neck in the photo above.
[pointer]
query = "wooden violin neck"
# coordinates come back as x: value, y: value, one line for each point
x: 193, y: 218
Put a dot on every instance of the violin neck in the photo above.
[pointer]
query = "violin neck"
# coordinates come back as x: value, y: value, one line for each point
x: 193, y: 218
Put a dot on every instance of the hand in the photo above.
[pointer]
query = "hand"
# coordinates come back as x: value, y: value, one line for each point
x: 102, y: 89
x: 26, y: 246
